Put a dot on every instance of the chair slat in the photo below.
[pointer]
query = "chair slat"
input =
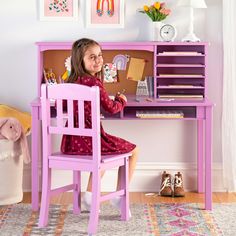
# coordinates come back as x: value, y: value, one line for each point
x: 81, y: 114
x: 59, y: 117
x: 69, y: 131
x: 70, y: 111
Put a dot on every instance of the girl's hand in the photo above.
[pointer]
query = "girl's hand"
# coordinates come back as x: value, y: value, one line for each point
x: 122, y: 96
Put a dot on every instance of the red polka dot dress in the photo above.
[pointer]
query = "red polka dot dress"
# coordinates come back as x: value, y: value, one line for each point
x: 110, y: 144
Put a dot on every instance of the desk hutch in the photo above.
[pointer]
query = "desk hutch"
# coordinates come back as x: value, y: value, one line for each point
x: 179, y: 72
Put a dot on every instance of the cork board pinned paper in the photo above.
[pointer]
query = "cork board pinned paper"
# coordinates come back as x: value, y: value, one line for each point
x: 136, y: 69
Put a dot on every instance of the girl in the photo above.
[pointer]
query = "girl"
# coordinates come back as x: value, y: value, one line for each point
x: 86, y: 69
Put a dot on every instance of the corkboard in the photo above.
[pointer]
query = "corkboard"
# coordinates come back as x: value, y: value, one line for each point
x: 55, y: 59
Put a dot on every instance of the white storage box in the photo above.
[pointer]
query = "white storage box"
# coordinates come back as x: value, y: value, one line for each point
x: 11, y: 172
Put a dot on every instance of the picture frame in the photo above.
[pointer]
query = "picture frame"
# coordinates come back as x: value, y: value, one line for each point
x: 58, y: 10
x: 105, y: 13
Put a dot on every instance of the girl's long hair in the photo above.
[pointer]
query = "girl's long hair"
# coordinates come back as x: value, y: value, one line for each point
x: 79, y: 48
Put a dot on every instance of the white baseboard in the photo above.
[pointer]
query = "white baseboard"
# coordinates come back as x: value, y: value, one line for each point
x: 146, y: 177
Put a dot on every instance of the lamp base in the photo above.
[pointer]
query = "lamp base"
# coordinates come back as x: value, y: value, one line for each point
x: 190, y: 37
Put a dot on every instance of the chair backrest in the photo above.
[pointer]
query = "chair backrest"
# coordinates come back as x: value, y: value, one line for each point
x: 74, y: 96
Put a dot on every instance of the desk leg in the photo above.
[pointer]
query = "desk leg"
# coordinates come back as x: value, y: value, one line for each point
x: 208, y: 157
x: 200, y: 156
x: 34, y: 163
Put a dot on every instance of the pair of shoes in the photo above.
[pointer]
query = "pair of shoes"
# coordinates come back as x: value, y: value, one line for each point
x: 116, y: 202
x: 166, y: 186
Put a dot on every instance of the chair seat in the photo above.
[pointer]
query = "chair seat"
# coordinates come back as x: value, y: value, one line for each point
x: 109, y: 158
x: 88, y: 158
x: 59, y: 160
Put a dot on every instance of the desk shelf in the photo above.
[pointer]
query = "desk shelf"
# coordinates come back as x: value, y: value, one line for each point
x: 180, y: 69
x: 188, y: 112
x: 179, y: 65
x: 130, y: 113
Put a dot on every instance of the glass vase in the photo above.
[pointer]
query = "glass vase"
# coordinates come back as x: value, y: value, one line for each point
x: 156, y: 27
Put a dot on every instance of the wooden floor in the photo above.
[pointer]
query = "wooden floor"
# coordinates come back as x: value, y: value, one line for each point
x: 66, y: 198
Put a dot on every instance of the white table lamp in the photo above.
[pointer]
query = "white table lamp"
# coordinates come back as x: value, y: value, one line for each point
x: 191, y: 37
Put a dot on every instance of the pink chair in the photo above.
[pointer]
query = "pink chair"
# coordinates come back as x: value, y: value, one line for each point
x: 95, y: 163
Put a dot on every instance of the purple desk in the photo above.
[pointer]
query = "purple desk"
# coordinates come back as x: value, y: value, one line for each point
x: 200, y: 111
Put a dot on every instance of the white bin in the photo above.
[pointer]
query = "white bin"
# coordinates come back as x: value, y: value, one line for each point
x: 11, y: 172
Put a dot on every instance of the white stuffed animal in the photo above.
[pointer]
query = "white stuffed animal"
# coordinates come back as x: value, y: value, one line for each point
x: 12, y: 130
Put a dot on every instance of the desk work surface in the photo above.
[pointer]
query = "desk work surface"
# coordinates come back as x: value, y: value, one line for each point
x: 136, y: 101
x: 138, y: 107
x: 133, y: 100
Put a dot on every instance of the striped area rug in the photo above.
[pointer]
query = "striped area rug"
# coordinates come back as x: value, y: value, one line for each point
x: 147, y: 219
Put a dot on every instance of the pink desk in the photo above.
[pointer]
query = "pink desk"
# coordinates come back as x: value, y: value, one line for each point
x: 178, y: 68
x: 200, y: 111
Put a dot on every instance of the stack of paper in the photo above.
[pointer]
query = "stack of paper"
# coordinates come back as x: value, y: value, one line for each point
x: 180, y: 96
x: 180, y: 53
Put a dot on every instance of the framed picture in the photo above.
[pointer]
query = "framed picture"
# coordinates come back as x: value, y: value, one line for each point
x: 105, y: 13
x: 58, y: 10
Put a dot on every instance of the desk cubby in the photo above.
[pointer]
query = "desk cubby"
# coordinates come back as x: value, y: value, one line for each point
x: 164, y: 112
x: 180, y: 71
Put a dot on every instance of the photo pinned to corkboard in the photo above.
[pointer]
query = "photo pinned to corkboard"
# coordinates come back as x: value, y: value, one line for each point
x: 112, y: 69
x: 110, y: 73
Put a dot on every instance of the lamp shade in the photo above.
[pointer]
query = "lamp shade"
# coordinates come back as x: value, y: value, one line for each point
x: 192, y: 3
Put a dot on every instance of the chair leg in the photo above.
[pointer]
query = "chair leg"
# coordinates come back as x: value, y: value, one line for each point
x: 125, y: 185
x: 77, y: 192
x: 45, y: 200
x: 94, y: 211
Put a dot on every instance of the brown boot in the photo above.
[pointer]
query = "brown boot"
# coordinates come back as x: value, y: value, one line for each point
x: 178, y: 185
x: 166, y: 189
